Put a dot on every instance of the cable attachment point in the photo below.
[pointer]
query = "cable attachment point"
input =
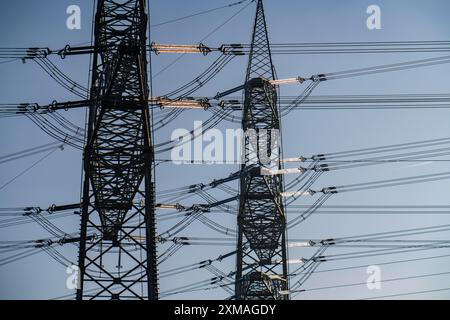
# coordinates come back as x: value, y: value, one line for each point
x: 318, y: 78
x: 329, y: 190
x: 63, y: 52
x: 319, y: 157
x: 321, y: 168
x: 51, y: 209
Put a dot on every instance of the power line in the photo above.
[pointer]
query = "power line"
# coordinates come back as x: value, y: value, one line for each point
x: 375, y: 282
x: 28, y: 168
x: 407, y: 293
x: 197, y: 14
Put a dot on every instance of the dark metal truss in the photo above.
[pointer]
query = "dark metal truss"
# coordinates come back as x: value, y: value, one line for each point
x: 262, y: 257
x: 119, y: 262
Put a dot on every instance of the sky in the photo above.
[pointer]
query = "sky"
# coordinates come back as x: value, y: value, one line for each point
x: 26, y: 23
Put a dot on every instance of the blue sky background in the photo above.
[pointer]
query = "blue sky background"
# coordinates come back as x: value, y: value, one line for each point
x: 26, y: 23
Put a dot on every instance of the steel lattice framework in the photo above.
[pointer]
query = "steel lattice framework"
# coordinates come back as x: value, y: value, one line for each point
x: 262, y: 256
x: 117, y: 258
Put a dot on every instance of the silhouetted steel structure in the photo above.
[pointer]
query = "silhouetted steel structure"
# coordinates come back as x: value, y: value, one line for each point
x: 262, y: 256
x: 117, y: 258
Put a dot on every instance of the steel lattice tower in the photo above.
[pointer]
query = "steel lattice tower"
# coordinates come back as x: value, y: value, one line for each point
x: 117, y: 258
x: 262, y: 257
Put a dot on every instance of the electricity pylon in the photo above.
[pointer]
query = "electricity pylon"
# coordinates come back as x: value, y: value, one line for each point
x: 261, y: 253
x: 117, y: 257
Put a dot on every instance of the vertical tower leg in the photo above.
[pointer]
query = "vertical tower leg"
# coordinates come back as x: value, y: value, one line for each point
x: 117, y: 258
x: 262, y: 257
